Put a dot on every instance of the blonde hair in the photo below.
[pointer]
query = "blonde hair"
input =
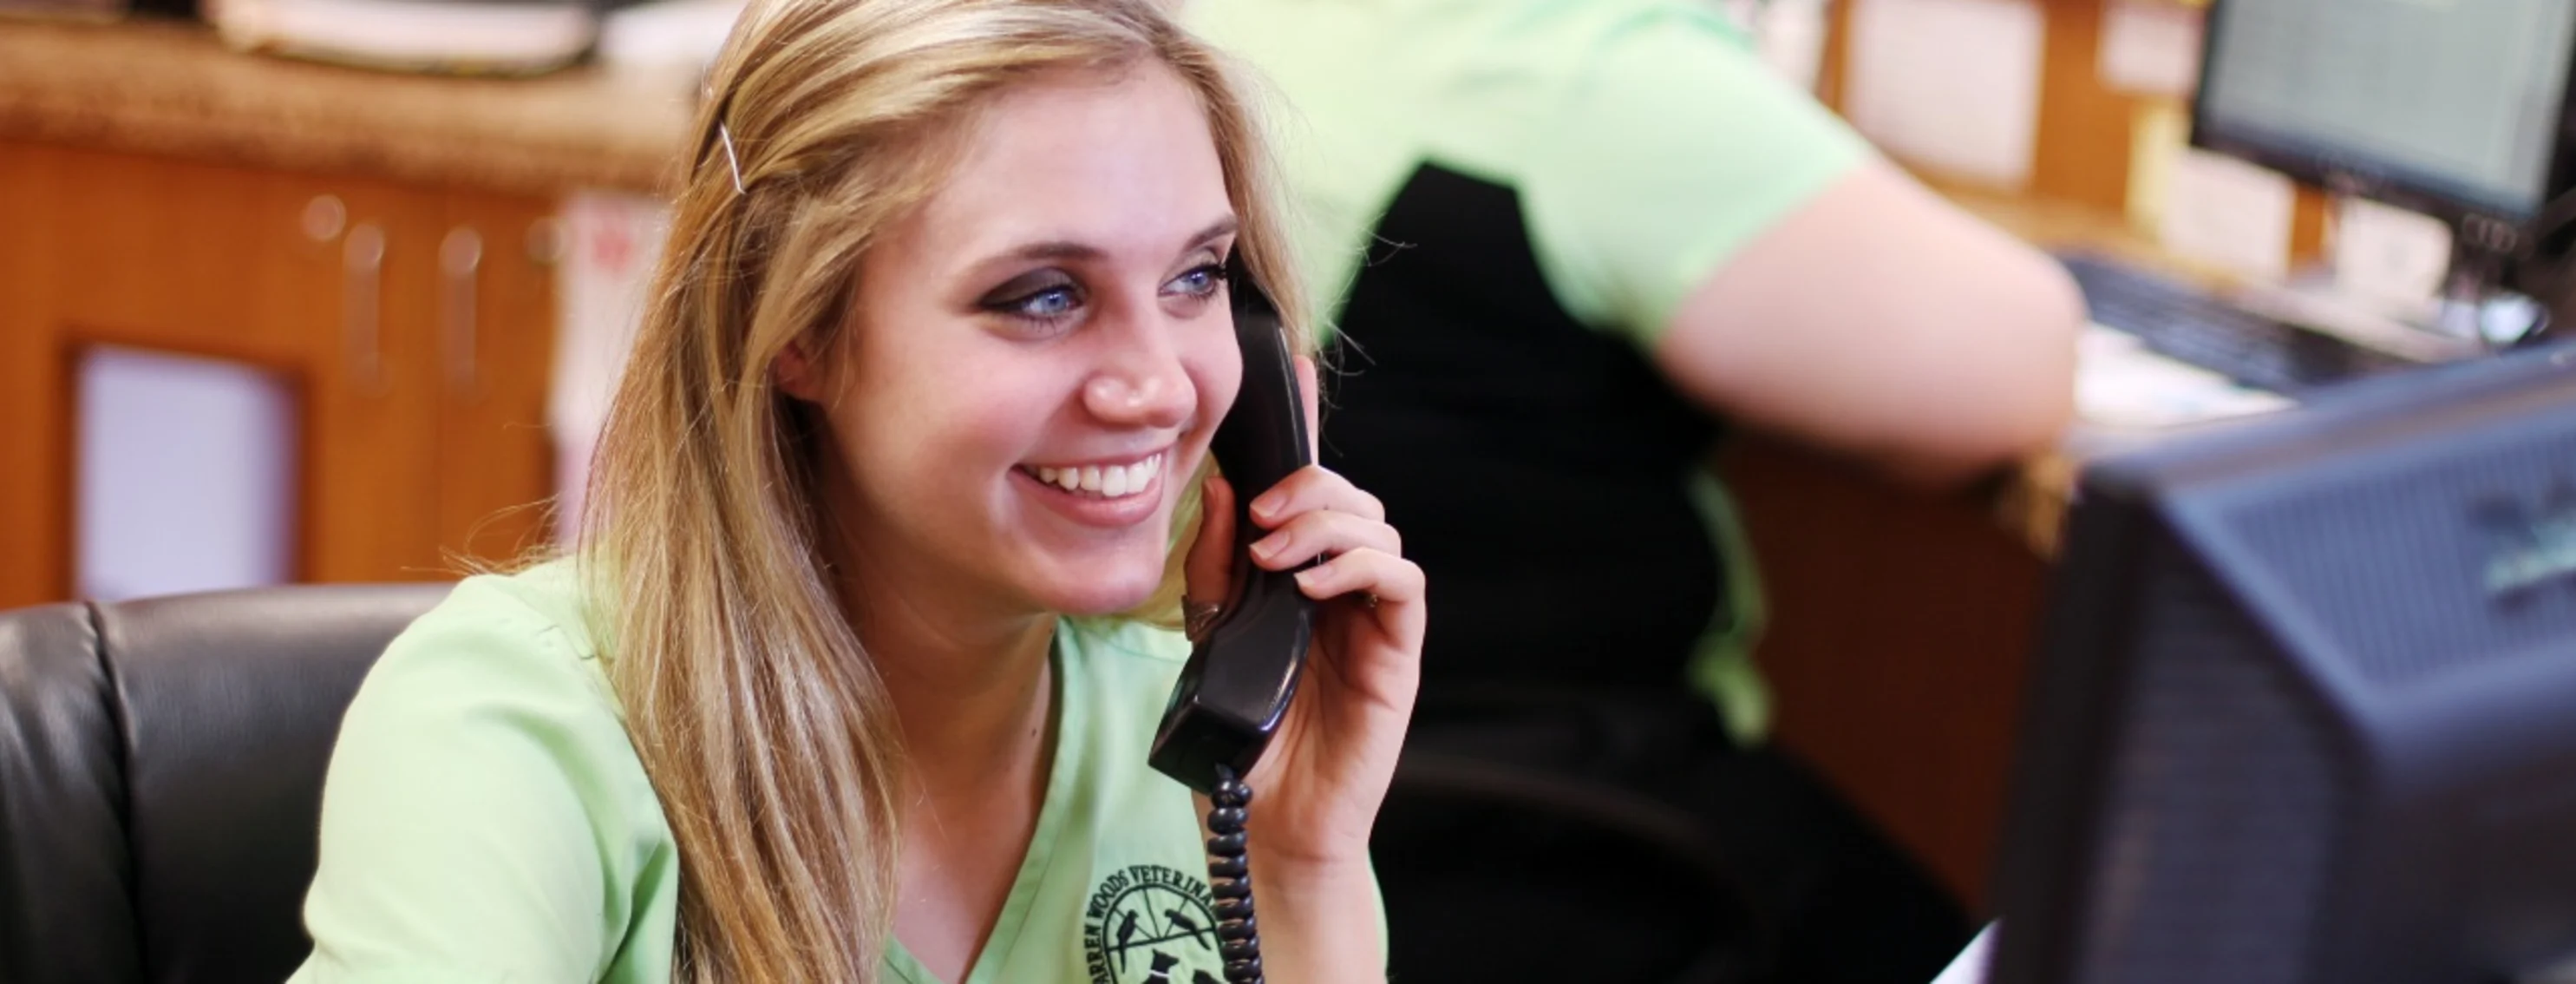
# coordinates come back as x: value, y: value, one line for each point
x: 766, y: 731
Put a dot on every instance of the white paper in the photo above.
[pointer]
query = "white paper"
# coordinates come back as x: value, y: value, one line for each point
x: 2151, y: 47
x: 1952, y: 85
x: 612, y: 241
x: 2229, y: 212
x: 186, y: 473
x: 2120, y: 383
x: 2388, y: 254
x: 1970, y: 967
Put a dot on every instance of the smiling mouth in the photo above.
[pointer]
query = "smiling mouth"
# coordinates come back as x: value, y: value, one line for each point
x: 1100, y: 481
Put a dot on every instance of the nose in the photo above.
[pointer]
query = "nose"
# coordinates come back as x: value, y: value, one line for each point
x: 1144, y: 384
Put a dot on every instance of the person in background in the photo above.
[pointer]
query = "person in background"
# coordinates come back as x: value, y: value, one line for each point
x: 853, y: 674
x: 1566, y: 245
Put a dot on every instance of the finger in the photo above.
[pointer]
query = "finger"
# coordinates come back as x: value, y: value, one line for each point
x: 1208, y: 571
x: 1314, y: 399
x: 1311, y: 488
x: 1323, y: 533
x: 1395, y: 582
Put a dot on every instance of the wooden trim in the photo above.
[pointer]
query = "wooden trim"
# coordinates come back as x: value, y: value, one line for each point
x: 72, y: 344
x: 2082, y: 152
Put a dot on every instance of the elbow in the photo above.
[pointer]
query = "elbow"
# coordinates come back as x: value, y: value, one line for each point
x: 2046, y: 327
x: 2023, y: 397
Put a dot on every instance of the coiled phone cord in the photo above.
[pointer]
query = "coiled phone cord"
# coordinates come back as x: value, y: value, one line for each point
x: 1230, y: 879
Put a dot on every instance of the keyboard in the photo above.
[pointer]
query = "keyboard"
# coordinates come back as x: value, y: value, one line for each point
x: 2195, y: 327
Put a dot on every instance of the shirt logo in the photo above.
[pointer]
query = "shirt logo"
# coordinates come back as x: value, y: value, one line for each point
x: 1150, y: 924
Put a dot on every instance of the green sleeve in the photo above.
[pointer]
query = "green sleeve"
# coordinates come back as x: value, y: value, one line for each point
x: 1675, y: 146
x: 485, y: 818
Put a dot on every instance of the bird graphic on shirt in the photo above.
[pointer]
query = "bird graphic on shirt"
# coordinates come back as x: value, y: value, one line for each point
x: 1187, y: 927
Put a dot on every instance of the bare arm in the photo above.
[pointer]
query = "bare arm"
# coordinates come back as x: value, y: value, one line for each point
x: 1880, y: 321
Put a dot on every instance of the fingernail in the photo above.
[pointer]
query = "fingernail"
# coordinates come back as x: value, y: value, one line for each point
x: 1268, y: 503
x: 1269, y: 546
x: 1312, y: 578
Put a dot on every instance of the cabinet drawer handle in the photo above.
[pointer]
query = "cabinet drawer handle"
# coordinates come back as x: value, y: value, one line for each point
x: 324, y: 217
x: 362, y: 263
x: 460, y: 262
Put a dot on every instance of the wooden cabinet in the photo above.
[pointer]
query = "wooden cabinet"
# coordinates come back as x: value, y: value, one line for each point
x: 413, y: 325
x: 1900, y: 636
x: 495, y: 457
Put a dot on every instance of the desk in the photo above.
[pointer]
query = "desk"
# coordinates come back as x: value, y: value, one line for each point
x: 1902, y: 624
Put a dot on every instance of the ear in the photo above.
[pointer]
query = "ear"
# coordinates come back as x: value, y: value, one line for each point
x: 797, y: 373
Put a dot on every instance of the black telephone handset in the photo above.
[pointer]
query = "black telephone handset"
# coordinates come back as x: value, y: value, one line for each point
x: 1244, y: 669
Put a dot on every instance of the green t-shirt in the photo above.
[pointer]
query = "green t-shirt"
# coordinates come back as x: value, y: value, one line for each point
x: 1644, y: 139
x: 485, y: 818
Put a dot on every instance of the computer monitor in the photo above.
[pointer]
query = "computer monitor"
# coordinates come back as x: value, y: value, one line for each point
x: 2304, y: 710
x: 2457, y: 108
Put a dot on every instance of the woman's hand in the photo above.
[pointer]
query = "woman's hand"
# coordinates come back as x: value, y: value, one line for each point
x: 1317, y: 790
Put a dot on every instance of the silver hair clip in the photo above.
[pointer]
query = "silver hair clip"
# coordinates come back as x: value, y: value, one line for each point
x: 731, y: 162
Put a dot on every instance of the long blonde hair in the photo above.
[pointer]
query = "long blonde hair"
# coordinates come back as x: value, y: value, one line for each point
x: 766, y: 732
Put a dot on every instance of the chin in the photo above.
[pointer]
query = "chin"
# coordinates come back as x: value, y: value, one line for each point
x: 1085, y: 588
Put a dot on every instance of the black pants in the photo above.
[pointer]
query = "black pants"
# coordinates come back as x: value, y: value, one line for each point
x: 1618, y: 838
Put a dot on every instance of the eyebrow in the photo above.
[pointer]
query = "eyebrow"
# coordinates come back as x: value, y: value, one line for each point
x: 1066, y: 249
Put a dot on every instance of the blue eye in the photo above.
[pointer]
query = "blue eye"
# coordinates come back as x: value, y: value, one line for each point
x: 1048, y: 304
x: 1199, y: 282
x: 1042, y: 299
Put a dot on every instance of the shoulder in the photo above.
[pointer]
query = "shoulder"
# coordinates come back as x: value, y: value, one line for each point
x: 1673, y: 146
x: 500, y: 689
x: 484, y: 808
x: 501, y: 678
x: 520, y: 638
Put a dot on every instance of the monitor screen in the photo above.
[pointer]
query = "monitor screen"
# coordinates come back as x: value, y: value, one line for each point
x: 2302, y: 709
x: 2456, y: 100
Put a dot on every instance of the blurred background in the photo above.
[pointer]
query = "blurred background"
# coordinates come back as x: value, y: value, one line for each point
x: 334, y: 290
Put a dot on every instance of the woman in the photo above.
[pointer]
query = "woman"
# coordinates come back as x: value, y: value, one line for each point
x: 854, y: 675
x: 1624, y: 238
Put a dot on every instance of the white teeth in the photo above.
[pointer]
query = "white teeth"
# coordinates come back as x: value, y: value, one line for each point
x: 1111, y: 482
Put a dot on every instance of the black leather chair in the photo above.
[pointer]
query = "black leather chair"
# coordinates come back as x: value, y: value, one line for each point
x: 161, y: 771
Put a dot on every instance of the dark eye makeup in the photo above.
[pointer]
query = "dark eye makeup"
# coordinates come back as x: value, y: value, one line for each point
x: 1049, y: 296
x: 1038, y: 295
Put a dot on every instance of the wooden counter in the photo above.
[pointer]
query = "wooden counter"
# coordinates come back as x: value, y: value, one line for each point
x: 168, y: 88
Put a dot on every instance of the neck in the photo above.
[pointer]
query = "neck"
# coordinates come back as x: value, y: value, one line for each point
x: 969, y: 682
